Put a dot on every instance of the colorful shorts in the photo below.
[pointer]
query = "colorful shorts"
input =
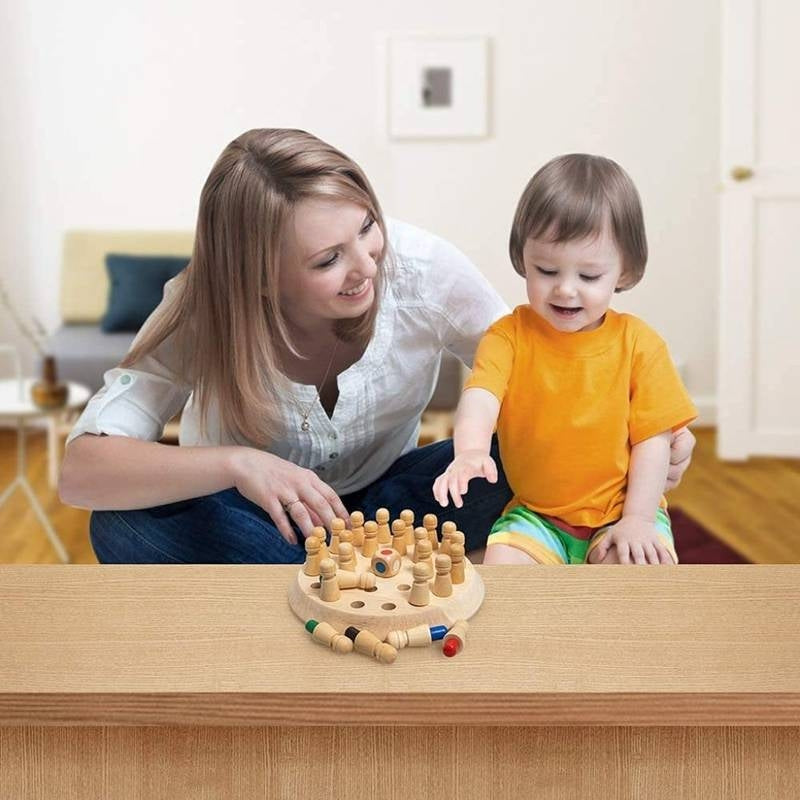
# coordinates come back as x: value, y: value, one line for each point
x: 546, y: 543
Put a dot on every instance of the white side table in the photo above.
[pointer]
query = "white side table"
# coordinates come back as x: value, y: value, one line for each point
x: 16, y: 406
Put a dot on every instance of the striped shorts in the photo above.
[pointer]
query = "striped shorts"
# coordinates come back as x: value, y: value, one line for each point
x: 546, y: 543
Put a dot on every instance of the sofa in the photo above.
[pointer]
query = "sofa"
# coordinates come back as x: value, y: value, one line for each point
x: 84, y: 352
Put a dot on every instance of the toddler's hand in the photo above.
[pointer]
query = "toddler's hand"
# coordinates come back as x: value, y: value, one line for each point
x: 465, y: 466
x: 635, y: 538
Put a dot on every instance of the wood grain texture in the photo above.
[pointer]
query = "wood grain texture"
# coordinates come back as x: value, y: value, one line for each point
x: 444, y: 762
x: 611, y: 645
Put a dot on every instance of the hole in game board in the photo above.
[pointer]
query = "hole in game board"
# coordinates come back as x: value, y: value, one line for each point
x: 373, y: 589
x: 403, y: 587
x: 357, y: 604
x: 388, y: 606
x: 315, y: 585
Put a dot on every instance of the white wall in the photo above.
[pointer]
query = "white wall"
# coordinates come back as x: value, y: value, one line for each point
x: 112, y: 117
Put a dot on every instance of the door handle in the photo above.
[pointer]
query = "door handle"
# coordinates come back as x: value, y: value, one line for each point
x: 742, y: 173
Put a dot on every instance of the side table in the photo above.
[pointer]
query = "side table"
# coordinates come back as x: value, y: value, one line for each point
x: 16, y: 406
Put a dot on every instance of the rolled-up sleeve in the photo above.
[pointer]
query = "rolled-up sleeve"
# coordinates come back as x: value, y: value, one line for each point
x: 131, y: 403
x: 138, y: 402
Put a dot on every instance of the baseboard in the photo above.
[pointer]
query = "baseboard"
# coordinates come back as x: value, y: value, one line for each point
x: 706, y: 410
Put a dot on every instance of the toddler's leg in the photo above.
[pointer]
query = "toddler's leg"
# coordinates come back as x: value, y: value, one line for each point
x: 504, y: 554
x: 522, y: 537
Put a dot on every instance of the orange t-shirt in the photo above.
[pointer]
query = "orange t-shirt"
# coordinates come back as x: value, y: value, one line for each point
x: 572, y: 405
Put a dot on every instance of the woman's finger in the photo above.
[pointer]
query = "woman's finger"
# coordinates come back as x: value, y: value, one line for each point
x: 637, y: 553
x: 279, y: 518
x: 315, y: 501
x: 323, y: 499
x: 623, y: 552
x: 490, y: 470
x: 650, y: 553
x: 300, y: 516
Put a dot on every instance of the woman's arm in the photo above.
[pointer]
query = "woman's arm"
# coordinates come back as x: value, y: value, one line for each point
x: 120, y: 472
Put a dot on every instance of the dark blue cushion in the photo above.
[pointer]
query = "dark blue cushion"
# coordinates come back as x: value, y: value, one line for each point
x: 136, y: 288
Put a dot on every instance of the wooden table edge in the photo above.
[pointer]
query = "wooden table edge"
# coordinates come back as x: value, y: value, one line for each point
x: 765, y: 709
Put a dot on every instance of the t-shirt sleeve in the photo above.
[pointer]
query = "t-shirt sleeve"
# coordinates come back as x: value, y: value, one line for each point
x: 494, y: 359
x: 659, y: 400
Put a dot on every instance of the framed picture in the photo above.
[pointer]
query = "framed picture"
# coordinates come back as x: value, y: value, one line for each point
x: 438, y: 87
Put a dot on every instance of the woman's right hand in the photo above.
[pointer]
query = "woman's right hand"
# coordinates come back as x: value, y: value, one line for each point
x: 285, y: 491
x: 463, y: 468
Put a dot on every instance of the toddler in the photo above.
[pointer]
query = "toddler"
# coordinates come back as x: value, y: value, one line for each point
x: 584, y: 399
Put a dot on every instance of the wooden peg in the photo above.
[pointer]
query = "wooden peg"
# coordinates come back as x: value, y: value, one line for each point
x: 407, y: 515
x: 357, y: 526
x: 322, y: 535
x: 457, y: 558
x: 448, y: 529
x: 423, y: 552
x: 369, y: 644
x: 384, y: 533
x: 353, y: 580
x: 399, y: 536
x: 420, y: 535
x: 329, y: 586
x: 443, y: 585
x: 370, y: 539
x: 429, y: 522
x: 337, y: 526
x: 418, y: 636
x: 420, y: 591
x: 326, y: 634
x: 456, y: 638
x: 347, y: 557
x: 311, y: 567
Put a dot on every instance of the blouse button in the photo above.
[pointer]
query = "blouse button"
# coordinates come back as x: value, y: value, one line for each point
x: 125, y: 380
x: 333, y: 455
x: 334, y: 436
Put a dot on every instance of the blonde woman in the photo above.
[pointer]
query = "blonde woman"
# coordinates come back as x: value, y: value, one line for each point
x: 302, y: 343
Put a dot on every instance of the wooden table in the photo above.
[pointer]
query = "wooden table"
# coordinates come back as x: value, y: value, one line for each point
x: 197, y: 681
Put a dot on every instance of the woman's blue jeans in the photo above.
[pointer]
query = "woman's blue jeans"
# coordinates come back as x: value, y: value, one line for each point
x: 226, y: 528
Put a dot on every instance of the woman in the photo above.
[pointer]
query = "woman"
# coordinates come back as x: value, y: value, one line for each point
x: 306, y: 335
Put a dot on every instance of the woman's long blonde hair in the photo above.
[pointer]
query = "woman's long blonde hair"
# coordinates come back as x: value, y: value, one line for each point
x: 226, y: 318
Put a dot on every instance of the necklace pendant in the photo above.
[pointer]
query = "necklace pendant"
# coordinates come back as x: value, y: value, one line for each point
x: 305, y: 426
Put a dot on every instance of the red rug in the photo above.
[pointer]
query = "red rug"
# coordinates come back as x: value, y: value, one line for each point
x: 696, y: 545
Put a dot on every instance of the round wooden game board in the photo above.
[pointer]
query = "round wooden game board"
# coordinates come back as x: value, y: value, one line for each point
x: 386, y: 608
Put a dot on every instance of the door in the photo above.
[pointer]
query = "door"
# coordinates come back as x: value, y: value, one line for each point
x: 759, y: 335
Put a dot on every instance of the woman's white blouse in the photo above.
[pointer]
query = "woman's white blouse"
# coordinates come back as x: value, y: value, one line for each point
x: 435, y: 299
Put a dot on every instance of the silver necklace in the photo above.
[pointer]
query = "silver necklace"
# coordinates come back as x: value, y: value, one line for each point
x: 304, y: 425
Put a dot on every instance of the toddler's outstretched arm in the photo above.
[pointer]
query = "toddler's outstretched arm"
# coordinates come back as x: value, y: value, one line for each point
x: 476, y: 417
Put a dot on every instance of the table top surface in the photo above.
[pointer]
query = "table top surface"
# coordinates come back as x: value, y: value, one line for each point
x: 549, y: 631
x: 15, y: 398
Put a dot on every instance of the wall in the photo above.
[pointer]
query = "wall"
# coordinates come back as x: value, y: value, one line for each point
x: 112, y: 117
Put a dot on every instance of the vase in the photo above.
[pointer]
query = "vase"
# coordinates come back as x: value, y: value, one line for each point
x: 49, y: 392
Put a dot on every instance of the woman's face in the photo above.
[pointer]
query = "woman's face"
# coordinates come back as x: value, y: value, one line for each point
x: 328, y: 261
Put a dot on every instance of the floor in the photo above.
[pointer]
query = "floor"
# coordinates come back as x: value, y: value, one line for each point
x: 753, y: 506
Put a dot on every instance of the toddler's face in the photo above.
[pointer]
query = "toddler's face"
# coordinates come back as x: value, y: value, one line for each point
x: 571, y: 284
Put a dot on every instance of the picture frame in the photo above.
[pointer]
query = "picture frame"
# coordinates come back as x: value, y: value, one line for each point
x: 438, y: 87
